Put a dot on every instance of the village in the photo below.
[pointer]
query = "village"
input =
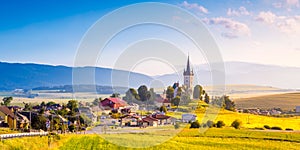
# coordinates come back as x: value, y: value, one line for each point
x: 139, y: 108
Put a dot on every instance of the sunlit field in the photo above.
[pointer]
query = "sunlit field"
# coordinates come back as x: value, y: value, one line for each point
x: 226, y: 138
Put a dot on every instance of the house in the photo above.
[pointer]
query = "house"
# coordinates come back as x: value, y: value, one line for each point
x: 133, y: 106
x: 297, y: 109
x: 14, y: 108
x: 188, y: 117
x: 22, y: 121
x: 265, y: 113
x: 149, y: 121
x: 8, y: 118
x: 112, y: 103
x: 130, y: 120
x: 167, y: 103
x: 275, y: 112
x: 163, y: 119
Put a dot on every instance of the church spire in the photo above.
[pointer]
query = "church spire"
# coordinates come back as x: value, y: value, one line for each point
x: 188, y: 69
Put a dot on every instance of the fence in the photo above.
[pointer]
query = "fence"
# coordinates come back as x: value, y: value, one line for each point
x: 18, y: 135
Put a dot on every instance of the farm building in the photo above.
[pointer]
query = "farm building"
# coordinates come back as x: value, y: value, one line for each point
x: 113, y: 103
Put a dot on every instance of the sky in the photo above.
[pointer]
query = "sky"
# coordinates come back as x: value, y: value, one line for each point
x: 49, y: 32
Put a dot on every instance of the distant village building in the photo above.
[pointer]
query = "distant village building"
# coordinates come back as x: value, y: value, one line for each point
x: 188, y: 76
x: 297, y: 109
x: 188, y: 117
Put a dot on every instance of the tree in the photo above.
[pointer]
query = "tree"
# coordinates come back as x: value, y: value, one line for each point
x: 152, y: 95
x: 27, y: 106
x: 185, y: 98
x: 210, y: 124
x: 143, y: 93
x: 206, y: 98
x: 38, y: 122
x: 50, y: 104
x: 175, y: 101
x: 170, y: 92
x: 72, y: 105
x: 236, y: 124
x: 85, y: 120
x: 195, y: 124
x: 97, y: 101
x: 198, y: 92
x: 131, y: 95
x: 179, y: 91
x: 115, y: 95
x: 220, y: 124
x: 6, y: 101
x: 163, y: 108
x: 228, y: 104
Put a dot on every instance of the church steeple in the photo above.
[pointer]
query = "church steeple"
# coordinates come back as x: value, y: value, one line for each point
x: 188, y: 70
x: 188, y: 74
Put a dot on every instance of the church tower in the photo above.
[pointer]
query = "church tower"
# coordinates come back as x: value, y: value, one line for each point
x: 188, y: 75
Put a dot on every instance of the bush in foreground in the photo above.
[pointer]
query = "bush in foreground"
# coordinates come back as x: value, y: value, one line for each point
x: 267, y: 127
x: 210, y: 124
x: 195, y: 124
x: 236, y: 124
x: 276, y: 128
x: 177, y: 125
x: 220, y: 124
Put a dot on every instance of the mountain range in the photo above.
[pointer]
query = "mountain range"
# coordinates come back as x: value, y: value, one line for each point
x: 28, y: 76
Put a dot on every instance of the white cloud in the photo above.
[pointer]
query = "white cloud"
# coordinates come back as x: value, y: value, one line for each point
x: 289, y: 4
x: 290, y: 25
x: 240, y: 12
x: 233, y: 28
x: 292, y: 3
x: 285, y: 24
x: 194, y: 6
x: 266, y: 17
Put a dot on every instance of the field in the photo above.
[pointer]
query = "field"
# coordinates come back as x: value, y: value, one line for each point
x: 285, y: 101
x: 226, y: 138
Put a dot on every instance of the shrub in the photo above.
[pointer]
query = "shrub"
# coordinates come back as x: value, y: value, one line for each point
x: 267, y: 127
x: 259, y: 128
x: 236, y: 124
x: 210, y: 124
x: 72, y: 128
x: 177, y: 125
x: 220, y: 124
x: 289, y: 129
x: 276, y: 128
x: 116, y: 115
x: 195, y: 124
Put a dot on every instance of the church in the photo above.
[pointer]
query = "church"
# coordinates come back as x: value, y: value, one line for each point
x: 188, y: 76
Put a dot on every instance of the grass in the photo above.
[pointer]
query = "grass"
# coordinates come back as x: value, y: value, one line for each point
x: 225, y: 138
x: 286, y: 101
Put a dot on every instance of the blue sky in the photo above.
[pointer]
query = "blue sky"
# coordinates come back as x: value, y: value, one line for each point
x: 48, y: 32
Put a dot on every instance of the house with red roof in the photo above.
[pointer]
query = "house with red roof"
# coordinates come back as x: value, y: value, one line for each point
x: 113, y: 103
x: 149, y: 121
